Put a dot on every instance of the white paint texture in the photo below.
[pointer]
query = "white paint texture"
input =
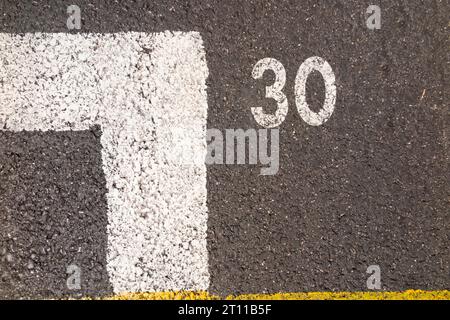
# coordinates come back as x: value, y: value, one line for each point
x: 138, y: 87
x: 310, y: 117
x: 273, y: 91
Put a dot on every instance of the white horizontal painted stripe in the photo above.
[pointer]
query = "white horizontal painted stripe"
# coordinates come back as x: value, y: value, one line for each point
x: 138, y: 87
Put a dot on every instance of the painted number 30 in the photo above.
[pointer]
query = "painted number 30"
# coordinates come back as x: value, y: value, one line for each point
x: 275, y: 91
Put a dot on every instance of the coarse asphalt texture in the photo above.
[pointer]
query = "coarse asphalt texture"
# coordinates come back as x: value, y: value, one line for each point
x: 368, y: 187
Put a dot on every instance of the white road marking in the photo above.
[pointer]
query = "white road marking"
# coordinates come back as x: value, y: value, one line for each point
x: 273, y: 91
x: 310, y: 117
x: 137, y: 86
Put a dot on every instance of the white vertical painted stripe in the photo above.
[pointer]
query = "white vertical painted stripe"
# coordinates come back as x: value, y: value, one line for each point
x: 138, y: 87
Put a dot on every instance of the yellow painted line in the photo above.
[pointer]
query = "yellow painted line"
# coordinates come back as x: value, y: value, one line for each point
x: 203, y: 295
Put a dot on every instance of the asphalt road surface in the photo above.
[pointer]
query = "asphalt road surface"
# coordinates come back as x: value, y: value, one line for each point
x: 86, y: 173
